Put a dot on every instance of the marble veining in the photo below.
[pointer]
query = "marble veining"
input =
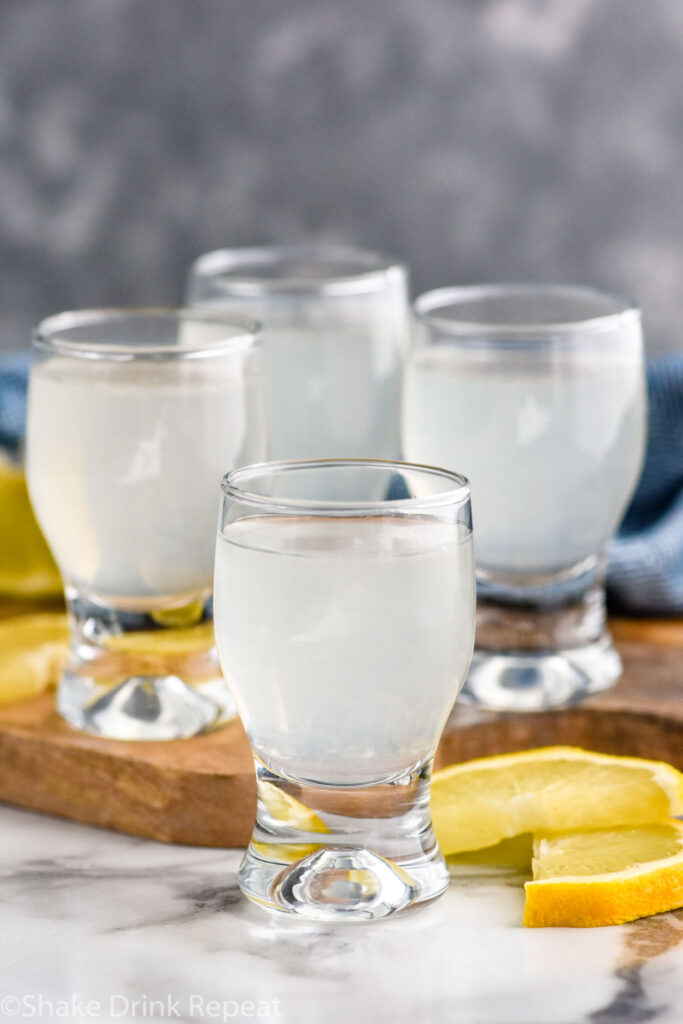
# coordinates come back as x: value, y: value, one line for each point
x: 92, y: 915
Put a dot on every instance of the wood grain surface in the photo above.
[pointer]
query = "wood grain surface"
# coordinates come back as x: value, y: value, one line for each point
x: 201, y: 791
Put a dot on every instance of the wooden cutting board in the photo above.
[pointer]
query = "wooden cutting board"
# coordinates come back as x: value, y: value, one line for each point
x: 201, y: 791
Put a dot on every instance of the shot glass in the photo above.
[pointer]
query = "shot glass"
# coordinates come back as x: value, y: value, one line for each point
x: 336, y: 324
x: 345, y: 629
x: 133, y: 417
x: 537, y: 394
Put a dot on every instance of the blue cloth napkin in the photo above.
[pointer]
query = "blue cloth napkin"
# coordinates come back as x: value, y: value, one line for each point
x: 645, y: 571
x: 13, y: 380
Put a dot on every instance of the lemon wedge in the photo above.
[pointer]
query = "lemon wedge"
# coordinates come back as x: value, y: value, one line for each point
x: 479, y: 803
x: 33, y: 650
x: 27, y: 569
x: 605, y: 877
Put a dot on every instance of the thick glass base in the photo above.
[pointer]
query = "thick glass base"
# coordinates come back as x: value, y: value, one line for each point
x: 541, y: 646
x: 142, y: 676
x: 528, y: 681
x: 343, y: 854
x: 144, y: 707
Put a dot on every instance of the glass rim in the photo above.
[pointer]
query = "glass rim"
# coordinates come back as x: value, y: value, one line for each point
x: 48, y: 334
x: 372, y: 268
x: 427, y: 305
x: 231, y: 486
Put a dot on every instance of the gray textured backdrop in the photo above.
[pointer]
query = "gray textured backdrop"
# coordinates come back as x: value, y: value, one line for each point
x: 489, y: 139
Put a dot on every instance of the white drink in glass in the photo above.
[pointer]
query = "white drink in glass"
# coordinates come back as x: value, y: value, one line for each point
x: 335, y: 335
x: 552, y: 445
x: 124, y: 466
x: 345, y: 641
x: 333, y: 387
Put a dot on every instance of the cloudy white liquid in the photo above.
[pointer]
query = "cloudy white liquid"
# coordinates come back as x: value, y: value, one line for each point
x: 345, y: 641
x: 333, y: 374
x: 124, y: 462
x: 552, y: 446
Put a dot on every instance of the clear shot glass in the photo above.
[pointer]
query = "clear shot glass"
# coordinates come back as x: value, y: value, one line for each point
x: 134, y: 416
x: 537, y: 394
x: 345, y: 629
x: 336, y: 324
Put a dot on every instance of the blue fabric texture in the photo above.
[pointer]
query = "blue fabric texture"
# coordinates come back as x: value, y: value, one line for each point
x: 645, y: 570
x: 13, y: 379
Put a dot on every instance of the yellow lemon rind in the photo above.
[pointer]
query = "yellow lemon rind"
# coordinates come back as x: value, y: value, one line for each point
x: 589, y: 901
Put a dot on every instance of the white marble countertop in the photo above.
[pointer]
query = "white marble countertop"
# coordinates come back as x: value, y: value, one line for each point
x: 145, y: 931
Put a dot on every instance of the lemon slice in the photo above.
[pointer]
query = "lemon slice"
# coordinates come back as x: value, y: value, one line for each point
x: 192, y: 640
x: 33, y: 650
x: 604, y: 877
x: 284, y: 853
x: 287, y: 809
x: 184, y: 617
x: 512, y: 854
x: 479, y: 803
x: 27, y: 568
